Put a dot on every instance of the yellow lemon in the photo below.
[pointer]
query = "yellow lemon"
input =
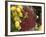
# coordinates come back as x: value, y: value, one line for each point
x: 16, y: 18
x: 18, y: 10
x: 21, y: 7
x: 19, y: 28
x: 13, y: 8
x: 20, y: 14
x: 17, y: 25
x: 14, y: 13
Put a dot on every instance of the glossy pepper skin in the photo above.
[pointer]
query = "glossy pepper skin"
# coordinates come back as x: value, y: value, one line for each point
x: 29, y: 22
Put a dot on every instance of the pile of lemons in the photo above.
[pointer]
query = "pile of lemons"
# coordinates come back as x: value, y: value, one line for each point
x: 17, y: 13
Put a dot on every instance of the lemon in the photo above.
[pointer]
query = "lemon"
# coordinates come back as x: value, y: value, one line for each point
x: 14, y: 13
x: 20, y: 14
x: 16, y: 18
x: 18, y: 9
x: 21, y: 7
x: 17, y: 25
x: 19, y: 28
x: 13, y: 8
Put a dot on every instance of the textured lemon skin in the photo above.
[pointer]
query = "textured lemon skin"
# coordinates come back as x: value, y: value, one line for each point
x: 13, y: 8
x: 18, y: 9
x: 19, y: 12
x: 16, y: 13
x: 17, y: 25
x: 21, y: 7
